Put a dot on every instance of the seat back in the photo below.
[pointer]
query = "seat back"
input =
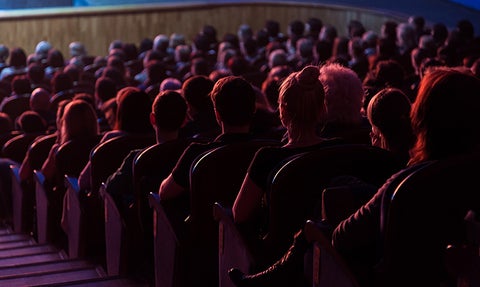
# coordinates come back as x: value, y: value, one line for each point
x: 48, y: 212
x: 133, y: 239
x: 329, y: 268
x: 16, y: 148
x: 296, y: 187
x: 7, y: 136
x: 216, y: 176
x: 233, y: 251
x: 39, y: 150
x: 115, y: 236
x: 60, y: 96
x: 23, y: 192
x: 150, y: 167
x: 72, y: 156
x: 14, y: 106
x: 105, y: 158
x: 425, y: 215
x: 108, y: 156
x: 168, y: 270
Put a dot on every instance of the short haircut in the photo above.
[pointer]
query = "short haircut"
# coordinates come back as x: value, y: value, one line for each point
x: 234, y: 100
x: 169, y: 109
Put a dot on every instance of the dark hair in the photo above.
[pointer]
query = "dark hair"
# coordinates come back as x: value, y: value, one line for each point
x: 36, y: 73
x: 445, y: 115
x: 61, y: 82
x: 234, y: 100
x: 196, y: 91
x: 21, y: 85
x: 55, y: 58
x: 133, y: 112
x: 18, y: 58
x: 6, y: 124
x: 105, y: 89
x: 389, y: 111
x: 169, y: 109
x: 31, y: 122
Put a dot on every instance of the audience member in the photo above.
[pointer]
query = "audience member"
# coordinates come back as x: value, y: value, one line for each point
x: 132, y: 117
x: 234, y: 103
x: 302, y: 109
x: 343, y: 96
x: 201, y: 121
x: 168, y: 114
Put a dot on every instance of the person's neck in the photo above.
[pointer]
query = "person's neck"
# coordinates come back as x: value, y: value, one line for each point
x: 165, y: 136
x: 226, y: 129
x: 301, y: 139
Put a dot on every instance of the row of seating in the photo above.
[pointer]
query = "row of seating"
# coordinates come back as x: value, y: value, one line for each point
x: 209, y: 243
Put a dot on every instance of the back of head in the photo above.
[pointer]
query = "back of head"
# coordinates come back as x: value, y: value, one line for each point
x: 105, y: 89
x: 61, y: 82
x: 389, y: 73
x: 18, y: 58
x: 170, y: 84
x: 74, y: 71
x: 176, y: 39
x: 36, y: 73
x: 6, y: 124
x: 31, y: 122
x: 313, y: 27
x: 55, y: 58
x: 302, y: 99
x: 277, y: 57
x: 21, y: 85
x: 40, y: 100
x: 77, y: 49
x: 389, y: 112
x: 161, y: 42
x: 42, y: 48
x: 234, y: 100
x: 169, y: 109
x: 196, y: 91
x: 156, y: 71
x: 79, y: 121
x: 4, y: 53
x: 343, y: 94
x: 445, y: 114
x: 133, y: 111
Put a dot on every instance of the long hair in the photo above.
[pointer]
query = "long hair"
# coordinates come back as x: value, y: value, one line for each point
x: 79, y: 121
x: 302, y: 100
x: 133, y: 111
x: 446, y: 115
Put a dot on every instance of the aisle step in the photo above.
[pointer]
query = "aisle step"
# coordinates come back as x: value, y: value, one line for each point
x: 28, y: 259
x: 5, y: 230
x: 49, y: 278
x: 17, y: 243
x: 13, y: 237
x: 27, y: 250
x: 101, y: 282
x: 42, y: 267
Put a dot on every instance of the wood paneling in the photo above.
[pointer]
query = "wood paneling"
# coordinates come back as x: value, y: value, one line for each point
x: 97, y: 27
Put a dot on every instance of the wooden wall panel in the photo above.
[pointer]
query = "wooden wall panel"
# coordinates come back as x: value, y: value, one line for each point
x: 98, y: 27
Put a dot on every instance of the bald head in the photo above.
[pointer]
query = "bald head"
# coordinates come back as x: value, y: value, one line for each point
x: 40, y: 100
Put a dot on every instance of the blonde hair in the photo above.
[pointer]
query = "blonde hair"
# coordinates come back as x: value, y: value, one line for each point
x: 302, y: 99
x: 343, y: 94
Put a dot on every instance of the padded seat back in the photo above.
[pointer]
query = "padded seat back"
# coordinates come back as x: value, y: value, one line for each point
x: 216, y: 176
x: 14, y: 106
x: 425, y: 215
x: 296, y: 187
x: 108, y: 156
x: 16, y: 148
